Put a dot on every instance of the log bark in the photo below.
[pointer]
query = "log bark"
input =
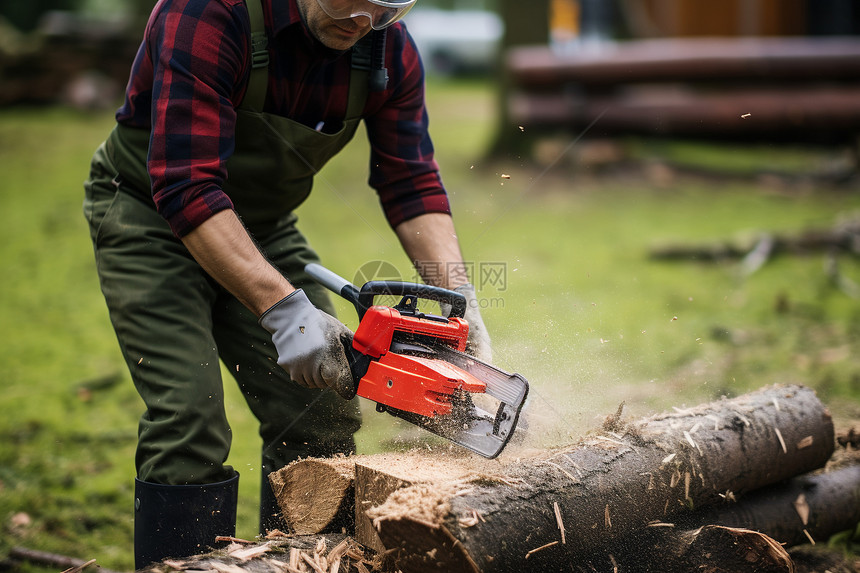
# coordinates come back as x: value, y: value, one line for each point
x: 800, y: 511
x: 806, y: 509
x: 715, y: 549
x: 545, y: 513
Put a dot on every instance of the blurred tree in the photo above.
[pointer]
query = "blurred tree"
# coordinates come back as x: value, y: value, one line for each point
x: 525, y: 23
x: 25, y: 14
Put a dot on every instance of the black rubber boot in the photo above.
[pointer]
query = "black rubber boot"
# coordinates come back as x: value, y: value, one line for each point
x: 181, y: 520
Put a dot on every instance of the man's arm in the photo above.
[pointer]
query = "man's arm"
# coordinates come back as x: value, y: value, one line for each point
x: 224, y: 249
x: 309, y: 342
x: 431, y: 243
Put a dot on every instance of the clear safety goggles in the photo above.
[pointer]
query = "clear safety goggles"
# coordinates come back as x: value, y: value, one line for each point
x: 380, y: 12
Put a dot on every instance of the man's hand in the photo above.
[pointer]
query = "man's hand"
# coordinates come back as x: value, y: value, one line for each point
x: 478, y: 343
x: 310, y: 343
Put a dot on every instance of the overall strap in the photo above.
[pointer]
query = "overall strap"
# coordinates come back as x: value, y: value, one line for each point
x: 359, y: 87
x: 255, y: 96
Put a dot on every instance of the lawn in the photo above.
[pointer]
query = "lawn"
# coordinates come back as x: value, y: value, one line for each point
x: 572, y: 300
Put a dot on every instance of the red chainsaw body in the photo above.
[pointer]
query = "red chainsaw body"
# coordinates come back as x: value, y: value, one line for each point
x: 419, y: 384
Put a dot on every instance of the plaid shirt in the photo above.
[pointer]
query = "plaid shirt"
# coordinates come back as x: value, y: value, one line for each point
x: 191, y: 73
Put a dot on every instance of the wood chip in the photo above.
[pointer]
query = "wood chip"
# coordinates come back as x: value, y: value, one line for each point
x: 607, y: 520
x: 805, y: 442
x: 686, y: 485
x: 802, y: 509
x: 225, y: 568
x: 557, y: 510
x: 313, y: 563
x: 781, y: 441
x: 224, y: 538
x: 562, y: 470
x: 248, y: 553
x: 276, y: 534
x: 79, y: 568
x: 693, y: 443
x: 470, y: 520
x: 809, y: 537
x: 541, y: 548
x: 690, y: 439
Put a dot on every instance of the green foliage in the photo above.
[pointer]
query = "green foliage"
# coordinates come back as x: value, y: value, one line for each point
x: 25, y: 15
x: 583, y: 312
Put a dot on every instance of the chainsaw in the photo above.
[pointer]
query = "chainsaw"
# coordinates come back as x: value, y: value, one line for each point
x: 413, y: 364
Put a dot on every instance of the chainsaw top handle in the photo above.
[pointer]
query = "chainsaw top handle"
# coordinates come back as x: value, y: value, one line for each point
x: 372, y: 289
x: 363, y: 299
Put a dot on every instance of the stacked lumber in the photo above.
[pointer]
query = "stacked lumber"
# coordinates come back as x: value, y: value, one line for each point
x: 777, y: 89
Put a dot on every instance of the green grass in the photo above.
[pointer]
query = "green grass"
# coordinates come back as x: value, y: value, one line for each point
x: 584, y: 314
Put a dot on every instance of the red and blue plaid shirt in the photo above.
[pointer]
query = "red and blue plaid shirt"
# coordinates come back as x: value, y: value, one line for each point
x: 191, y: 73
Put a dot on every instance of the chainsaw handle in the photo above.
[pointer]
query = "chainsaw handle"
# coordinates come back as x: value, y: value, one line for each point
x: 334, y: 282
x: 398, y: 288
x: 363, y: 299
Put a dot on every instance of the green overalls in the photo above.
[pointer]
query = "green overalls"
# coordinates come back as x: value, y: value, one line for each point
x: 174, y: 322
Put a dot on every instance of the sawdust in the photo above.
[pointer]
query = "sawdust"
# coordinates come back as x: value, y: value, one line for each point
x: 423, y: 503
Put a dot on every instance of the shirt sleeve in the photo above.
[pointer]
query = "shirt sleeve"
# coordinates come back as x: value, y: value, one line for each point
x: 198, y: 52
x: 403, y: 170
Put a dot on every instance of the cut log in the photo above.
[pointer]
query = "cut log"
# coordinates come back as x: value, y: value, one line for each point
x: 316, y: 495
x: 377, y: 477
x: 544, y: 513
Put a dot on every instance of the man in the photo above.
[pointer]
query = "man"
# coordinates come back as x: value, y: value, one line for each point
x: 230, y: 110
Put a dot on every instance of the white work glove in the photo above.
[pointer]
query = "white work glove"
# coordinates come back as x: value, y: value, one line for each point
x: 478, y: 343
x: 311, y: 344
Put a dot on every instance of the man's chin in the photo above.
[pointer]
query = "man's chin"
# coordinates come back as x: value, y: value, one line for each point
x: 337, y: 38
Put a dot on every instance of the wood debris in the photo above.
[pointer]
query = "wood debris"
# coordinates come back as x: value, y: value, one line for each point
x: 802, y: 509
x: 805, y: 442
x: 541, y: 548
x: 79, y: 568
x: 781, y: 440
x: 281, y: 553
x: 559, y: 521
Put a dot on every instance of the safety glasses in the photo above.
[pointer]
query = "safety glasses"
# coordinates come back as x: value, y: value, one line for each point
x: 382, y: 13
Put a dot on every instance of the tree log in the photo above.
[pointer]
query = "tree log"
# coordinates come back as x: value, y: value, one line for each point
x: 544, y: 513
x: 805, y: 509
x: 316, y: 495
x: 717, y: 549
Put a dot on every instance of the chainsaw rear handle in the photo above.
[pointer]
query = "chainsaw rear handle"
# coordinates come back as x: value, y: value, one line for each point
x: 363, y: 299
